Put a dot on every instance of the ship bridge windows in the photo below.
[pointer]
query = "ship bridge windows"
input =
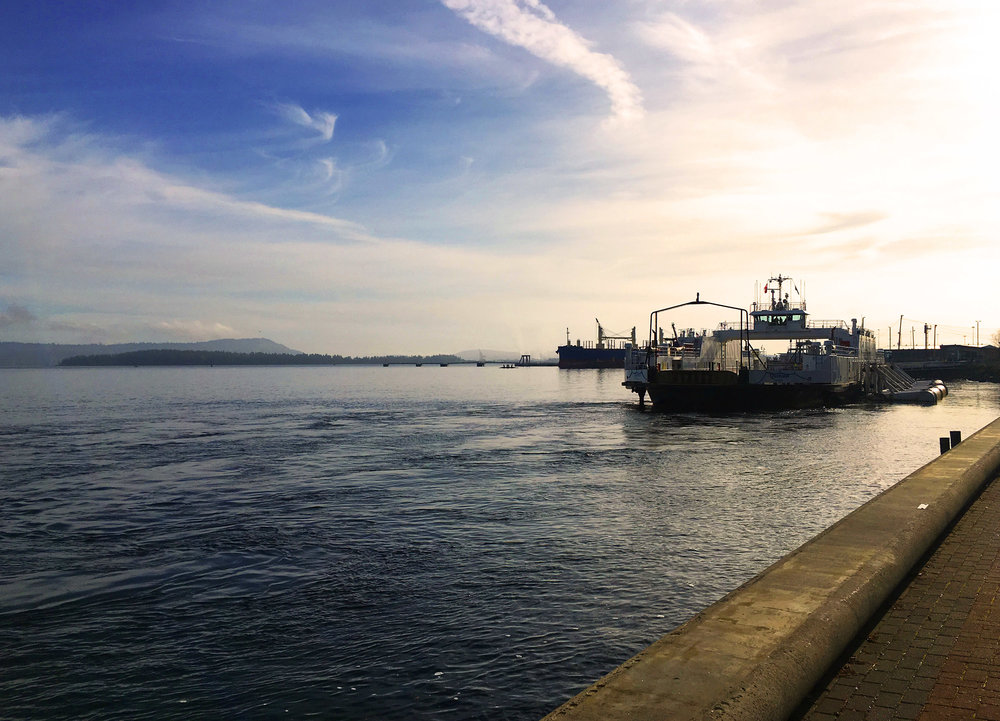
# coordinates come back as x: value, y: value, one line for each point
x: 793, y: 319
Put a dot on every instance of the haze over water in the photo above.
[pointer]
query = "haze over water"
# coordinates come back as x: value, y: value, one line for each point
x: 391, y: 543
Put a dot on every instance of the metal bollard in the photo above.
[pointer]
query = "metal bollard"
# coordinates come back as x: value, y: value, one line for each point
x: 956, y: 438
x: 945, y: 444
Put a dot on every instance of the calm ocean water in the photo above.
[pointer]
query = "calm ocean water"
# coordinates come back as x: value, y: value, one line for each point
x: 390, y: 543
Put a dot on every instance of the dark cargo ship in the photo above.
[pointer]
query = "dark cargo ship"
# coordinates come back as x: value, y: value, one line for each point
x: 608, y: 352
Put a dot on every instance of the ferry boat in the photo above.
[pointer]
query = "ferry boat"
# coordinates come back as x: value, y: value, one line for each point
x: 826, y: 362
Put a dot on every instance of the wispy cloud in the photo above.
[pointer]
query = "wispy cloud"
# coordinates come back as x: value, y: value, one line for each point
x: 111, y: 249
x: 772, y: 132
x: 86, y: 227
x: 533, y: 26
x: 834, y: 222
x: 16, y: 315
x: 686, y: 41
x: 193, y: 329
x: 73, y: 331
x: 331, y: 175
x: 311, y: 169
x: 380, y: 154
x: 194, y: 198
x: 321, y: 122
x: 55, y: 171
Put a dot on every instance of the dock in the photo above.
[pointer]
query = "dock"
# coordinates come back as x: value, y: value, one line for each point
x: 935, y: 653
x: 888, y: 614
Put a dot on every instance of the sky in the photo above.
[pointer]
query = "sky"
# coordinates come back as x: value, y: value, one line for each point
x: 425, y: 176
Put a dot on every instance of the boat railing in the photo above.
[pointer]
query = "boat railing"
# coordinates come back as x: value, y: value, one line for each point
x: 606, y: 344
x: 778, y: 305
x: 725, y: 325
x: 827, y: 324
x: 665, y: 358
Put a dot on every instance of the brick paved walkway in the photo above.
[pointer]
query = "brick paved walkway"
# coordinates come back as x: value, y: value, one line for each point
x: 935, y: 655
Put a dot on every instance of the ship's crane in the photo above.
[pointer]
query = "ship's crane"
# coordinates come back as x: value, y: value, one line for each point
x: 602, y: 336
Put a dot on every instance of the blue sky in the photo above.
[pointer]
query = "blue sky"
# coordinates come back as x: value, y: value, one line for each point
x: 424, y: 176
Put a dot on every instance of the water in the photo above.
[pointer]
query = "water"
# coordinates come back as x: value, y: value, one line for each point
x: 390, y: 543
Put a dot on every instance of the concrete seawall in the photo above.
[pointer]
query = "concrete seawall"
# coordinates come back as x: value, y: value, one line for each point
x: 758, y: 651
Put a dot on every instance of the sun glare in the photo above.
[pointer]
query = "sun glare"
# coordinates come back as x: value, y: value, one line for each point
x: 977, y: 60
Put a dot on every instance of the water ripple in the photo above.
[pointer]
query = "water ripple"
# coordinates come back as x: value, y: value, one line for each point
x: 390, y: 543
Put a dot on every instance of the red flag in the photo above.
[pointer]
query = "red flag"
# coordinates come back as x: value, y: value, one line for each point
x: 765, y: 287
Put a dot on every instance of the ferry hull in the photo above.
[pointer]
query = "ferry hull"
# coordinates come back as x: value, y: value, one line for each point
x: 725, y: 391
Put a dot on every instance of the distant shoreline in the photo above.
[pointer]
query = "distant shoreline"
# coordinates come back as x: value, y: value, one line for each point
x: 15, y: 354
x: 169, y: 357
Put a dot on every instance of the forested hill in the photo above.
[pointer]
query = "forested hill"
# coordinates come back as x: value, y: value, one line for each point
x: 45, y: 355
x: 169, y: 357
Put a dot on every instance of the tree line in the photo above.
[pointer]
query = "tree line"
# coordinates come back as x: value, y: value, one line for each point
x: 167, y: 357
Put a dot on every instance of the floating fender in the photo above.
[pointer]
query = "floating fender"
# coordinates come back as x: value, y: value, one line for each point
x: 924, y: 394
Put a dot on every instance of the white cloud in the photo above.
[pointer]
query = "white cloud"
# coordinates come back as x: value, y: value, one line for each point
x: 856, y: 150
x: 320, y: 121
x: 194, y: 198
x: 679, y: 37
x: 331, y: 175
x: 192, y: 329
x: 104, y: 248
x: 533, y: 26
x: 60, y: 177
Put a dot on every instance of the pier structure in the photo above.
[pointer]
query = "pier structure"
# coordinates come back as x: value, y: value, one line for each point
x: 935, y: 653
x: 762, y: 651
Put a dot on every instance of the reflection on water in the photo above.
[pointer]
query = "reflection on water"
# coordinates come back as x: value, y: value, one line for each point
x: 391, y: 543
